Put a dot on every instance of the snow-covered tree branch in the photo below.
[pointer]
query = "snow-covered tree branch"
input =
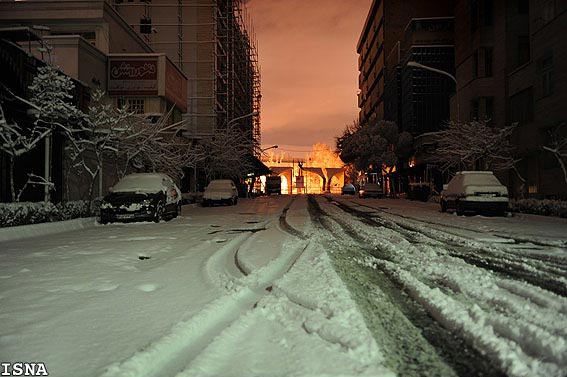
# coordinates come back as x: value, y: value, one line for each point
x: 558, y: 147
x: 226, y: 153
x: 473, y: 146
x: 155, y: 146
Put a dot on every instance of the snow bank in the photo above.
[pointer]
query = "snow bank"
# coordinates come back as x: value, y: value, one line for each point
x: 34, y: 230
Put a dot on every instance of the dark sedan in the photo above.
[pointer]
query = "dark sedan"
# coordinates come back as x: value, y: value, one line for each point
x: 141, y: 197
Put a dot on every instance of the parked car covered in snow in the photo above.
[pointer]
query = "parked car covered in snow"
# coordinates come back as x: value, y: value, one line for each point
x: 478, y: 191
x: 220, y: 191
x: 141, y: 196
x: 348, y: 189
x: 371, y: 190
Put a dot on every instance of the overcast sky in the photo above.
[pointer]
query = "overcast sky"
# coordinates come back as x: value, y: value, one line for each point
x: 309, y: 68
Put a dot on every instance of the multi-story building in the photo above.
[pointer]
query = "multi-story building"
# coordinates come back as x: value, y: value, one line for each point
x: 379, y: 51
x: 425, y: 93
x: 511, y: 67
x: 211, y: 42
x: 90, y: 42
x: 142, y: 54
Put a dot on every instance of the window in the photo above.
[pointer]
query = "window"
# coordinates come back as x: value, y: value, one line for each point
x: 145, y: 25
x: 522, y: 107
x: 481, y: 13
x: 547, y: 10
x: 546, y: 71
x: 482, y: 63
x: 523, y: 50
x: 482, y: 108
x: 136, y: 105
x: 523, y: 6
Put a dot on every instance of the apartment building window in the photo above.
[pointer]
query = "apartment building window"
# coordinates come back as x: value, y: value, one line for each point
x: 546, y: 69
x: 482, y: 64
x: 482, y: 108
x: 523, y: 6
x: 547, y: 10
x: 522, y: 107
x: 481, y: 14
x: 145, y: 25
x: 523, y: 50
x: 136, y: 105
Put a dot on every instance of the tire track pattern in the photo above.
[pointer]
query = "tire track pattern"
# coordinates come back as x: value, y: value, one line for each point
x: 172, y: 353
x: 519, y: 327
x: 546, y: 273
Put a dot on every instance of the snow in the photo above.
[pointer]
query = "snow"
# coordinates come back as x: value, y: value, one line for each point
x: 227, y: 291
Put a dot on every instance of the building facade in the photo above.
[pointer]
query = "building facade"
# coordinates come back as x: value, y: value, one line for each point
x: 379, y: 50
x: 511, y: 63
x: 509, y: 68
x: 212, y: 43
x: 90, y: 42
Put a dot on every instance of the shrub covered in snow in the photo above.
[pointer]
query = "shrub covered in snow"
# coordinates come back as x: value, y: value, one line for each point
x: 544, y: 207
x: 23, y: 213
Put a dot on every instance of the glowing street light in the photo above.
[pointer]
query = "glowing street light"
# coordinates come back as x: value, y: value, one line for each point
x: 428, y: 68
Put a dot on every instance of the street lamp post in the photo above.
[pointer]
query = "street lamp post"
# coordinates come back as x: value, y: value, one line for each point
x: 252, y: 114
x: 262, y: 150
x: 428, y: 68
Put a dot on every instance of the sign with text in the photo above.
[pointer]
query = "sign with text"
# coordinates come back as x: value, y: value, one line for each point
x: 132, y: 77
x: 299, y: 182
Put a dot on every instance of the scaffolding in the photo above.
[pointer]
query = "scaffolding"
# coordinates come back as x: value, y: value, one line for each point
x: 213, y: 43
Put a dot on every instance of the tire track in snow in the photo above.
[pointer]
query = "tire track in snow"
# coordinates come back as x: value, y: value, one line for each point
x: 541, y: 272
x: 518, y: 326
x: 401, y: 313
x: 173, y: 352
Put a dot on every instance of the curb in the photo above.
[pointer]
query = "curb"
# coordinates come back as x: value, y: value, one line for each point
x: 35, y: 230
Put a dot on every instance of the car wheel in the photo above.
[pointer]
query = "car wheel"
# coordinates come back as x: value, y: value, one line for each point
x: 443, y: 206
x: 459, y: 209
x: 103, y: 220
x: 158, y: 215
x: 235, y: 201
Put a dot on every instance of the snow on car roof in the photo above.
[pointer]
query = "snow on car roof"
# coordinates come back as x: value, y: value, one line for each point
x: 480, y: 178
x: 140, y: 182
x: 219, y: 183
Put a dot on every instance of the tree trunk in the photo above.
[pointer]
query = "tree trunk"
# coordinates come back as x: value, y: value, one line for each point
x: 12, y: 188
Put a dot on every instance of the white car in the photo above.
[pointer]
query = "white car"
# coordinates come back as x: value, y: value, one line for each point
x: 478, y: 191
x: 220, y: 191
x: 141, y: 196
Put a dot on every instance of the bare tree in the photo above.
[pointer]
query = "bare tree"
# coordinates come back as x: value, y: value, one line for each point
x: 16, y: 141
x: 53, y: 111
x: 473, y: 146
x: 558, y: 146
x: 226, y: 153
x: 96, y: 139
x: 156, y: 146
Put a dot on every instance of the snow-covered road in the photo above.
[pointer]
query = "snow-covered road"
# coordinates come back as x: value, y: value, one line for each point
x: 286, y: 286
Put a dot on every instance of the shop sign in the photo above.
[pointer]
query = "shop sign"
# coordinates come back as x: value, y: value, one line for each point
x: 132, y: 77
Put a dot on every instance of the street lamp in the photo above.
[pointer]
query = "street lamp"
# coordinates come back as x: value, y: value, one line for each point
x: 252, y: 114
x: 265, y: 149
x: 428, y: 68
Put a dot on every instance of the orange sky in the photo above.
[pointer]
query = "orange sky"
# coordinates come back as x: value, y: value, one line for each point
x: 309, y: 68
